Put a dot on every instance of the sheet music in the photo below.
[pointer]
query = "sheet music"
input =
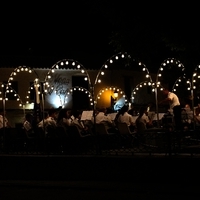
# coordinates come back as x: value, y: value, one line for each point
x: 87, y: 115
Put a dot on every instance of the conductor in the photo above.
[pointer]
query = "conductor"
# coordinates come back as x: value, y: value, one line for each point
x: 174, y: 106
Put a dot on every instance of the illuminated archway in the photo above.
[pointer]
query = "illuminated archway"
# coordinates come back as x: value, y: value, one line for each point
x: 195, y: 81
x: 169, y: 64
x: 108, y: 63
x: 70, y: 92
x: 109, y: 100
x: 8, y: 90
x: 182, y: 87
x: 150, y: 86
x: 8, y: 84
x: 61, y: 90
x: 17, y: 70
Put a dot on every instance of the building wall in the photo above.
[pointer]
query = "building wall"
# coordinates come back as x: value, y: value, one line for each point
x: 61, y: 79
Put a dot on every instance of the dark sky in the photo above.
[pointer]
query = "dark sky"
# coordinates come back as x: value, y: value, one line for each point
x: 64, y: 31
x: 41, y: 34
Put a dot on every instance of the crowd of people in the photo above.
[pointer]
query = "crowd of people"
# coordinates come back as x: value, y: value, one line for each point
x: 66, y: 118
x: 137, y: 120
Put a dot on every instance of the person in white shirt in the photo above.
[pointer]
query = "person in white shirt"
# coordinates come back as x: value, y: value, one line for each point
x: 47, y: 121
x: 124, y: 117
x: 102, y: 117
x: 174, y: 107
x: 4, y: 120
x: 142, y: 122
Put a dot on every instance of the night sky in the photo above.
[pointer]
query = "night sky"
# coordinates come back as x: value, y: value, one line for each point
x: 54, y: 32
x: 42, y: 34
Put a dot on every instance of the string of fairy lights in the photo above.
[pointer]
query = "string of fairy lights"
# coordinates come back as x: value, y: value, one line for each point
x: 108, y: 62
x: 8, y: 86
x: 139, y: 86
x: 158, y: 82
x: 81, y: 89
x: 68, y: 64
x: 195, y: 77
x: 9, y: 89
x: 163, y: 65
x: 145, y: 69
x: 112, y: 89
x: 64, y: 64
x: 181, y: 80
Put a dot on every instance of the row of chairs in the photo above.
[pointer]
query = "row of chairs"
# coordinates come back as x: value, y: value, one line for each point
x: 122, y: 138
x: 58, y: 140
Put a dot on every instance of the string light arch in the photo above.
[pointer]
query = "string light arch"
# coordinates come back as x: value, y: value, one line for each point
x: 112, y: 89
x: 167, y: 63
x: 18, y: 70
x: 145, y: 69
x: 65, y: 64
x: 195, y: 77
x: 8, y: 84
x: 141, y: 85
x: 10, y: 90
x: 195, y: 85
x: 110, y: 62
x: 77, y: 88
x: 31, y: 90
x: 181, y: 80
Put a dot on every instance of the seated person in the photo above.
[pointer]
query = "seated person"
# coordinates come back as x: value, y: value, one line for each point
x: 124, y: 117
x: 65, y: 118
x: 102, y: 117
x: 142, y: 121
x: 82, y: 128
x: 132, y: 111
x: 187, y: 117
x: 3, y: 123
x: 49, y: 122
x: 28, y: 124
x: 3, y: 119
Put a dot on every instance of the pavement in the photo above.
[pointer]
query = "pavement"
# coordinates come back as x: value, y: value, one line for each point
x: 98, y: 177
x: 56, y: 190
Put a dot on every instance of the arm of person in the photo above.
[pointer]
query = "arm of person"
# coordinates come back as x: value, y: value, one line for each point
x: 166, y: 100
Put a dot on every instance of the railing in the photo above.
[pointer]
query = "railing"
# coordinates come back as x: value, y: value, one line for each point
x: 152, y: 142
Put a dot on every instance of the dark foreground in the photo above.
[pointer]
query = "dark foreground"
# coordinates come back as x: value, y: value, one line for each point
x: 99, y: 177
x: 162, y: 168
